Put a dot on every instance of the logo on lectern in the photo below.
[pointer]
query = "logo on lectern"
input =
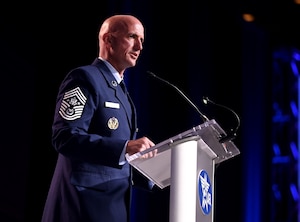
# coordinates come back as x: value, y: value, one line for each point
x: 205, y: 192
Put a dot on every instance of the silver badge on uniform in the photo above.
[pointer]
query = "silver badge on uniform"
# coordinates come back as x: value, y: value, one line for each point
x: 113, y: 123
x: 114, y: 83
x: 72, y: 104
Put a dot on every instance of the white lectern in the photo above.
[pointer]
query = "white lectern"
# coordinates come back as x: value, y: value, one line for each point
x: 186, y: 163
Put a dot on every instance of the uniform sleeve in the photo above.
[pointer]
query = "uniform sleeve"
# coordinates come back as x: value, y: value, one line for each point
x: 80, y: 126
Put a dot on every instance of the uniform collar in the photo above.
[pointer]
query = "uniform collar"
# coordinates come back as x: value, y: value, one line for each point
x: 112, y: 70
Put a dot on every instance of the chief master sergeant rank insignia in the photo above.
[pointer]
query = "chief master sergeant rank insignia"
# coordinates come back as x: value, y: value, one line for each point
x: 72, y: 104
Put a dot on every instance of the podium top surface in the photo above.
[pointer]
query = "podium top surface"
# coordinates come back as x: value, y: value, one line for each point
x: 209, y: 131
x: 157, y: 168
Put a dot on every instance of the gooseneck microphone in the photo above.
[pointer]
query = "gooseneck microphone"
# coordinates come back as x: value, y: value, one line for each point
x: 204, y: 118
x: 232, y: 134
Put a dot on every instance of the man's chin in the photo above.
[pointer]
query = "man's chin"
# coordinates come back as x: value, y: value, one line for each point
x: 132, y: 63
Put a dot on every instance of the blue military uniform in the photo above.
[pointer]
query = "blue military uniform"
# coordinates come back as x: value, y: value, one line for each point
x: 93, y: 120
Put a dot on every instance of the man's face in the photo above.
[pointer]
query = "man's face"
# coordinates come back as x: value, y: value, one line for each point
x: 126, y: 46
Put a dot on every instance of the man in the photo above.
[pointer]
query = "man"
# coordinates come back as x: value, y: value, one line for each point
x: 94, y: 127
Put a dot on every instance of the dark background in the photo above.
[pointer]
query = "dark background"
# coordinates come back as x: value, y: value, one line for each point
x: 205, y: 49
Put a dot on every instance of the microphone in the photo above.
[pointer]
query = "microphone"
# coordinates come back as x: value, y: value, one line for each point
x: 232, y: 134
x: 204, y: 118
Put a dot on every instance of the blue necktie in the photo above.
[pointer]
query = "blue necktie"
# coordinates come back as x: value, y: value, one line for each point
x: 122, y: 84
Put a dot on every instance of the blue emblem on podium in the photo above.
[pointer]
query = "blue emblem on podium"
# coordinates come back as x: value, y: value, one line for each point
x: 205, y: 192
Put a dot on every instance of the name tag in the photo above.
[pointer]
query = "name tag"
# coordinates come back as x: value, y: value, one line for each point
x: 112, y: 105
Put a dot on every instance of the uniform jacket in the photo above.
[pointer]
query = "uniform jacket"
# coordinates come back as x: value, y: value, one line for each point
x: 93, y: 120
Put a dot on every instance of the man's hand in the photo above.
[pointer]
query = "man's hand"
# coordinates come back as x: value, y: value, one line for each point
x: 141, y: 144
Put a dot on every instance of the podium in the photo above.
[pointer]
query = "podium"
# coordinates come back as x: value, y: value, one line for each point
x: 186, y: 162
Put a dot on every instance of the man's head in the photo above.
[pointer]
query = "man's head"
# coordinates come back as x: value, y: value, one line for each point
x: 121, y: 40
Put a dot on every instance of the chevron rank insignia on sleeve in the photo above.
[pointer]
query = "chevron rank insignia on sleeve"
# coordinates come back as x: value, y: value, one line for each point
x: 72, y: 104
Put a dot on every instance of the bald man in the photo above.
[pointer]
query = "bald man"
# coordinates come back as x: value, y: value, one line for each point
x: 94, y: 127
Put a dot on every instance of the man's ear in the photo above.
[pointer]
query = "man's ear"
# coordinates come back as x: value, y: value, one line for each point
x: 107, y: 38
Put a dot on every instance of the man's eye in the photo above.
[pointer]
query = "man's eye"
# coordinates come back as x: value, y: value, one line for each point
x: 134, y: 36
